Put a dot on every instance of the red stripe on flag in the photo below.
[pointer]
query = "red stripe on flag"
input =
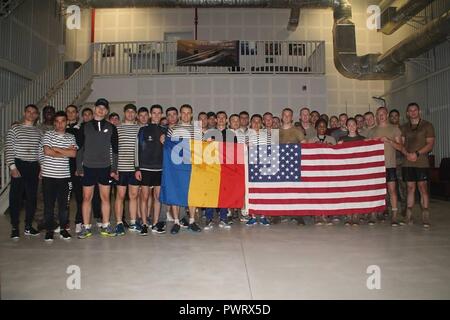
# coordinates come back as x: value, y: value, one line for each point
x: 318, y: 201
x: 344, y: 178
x: 343, y: 166
x: 318, y: 190
x: 336, y: 212
x: 342, y: 156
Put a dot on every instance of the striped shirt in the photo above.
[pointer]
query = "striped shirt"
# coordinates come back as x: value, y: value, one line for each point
x: 127, y: 146
x: 22, y: 142
x: 185, y: 131
x: 56, y: 167
x: 263, y: 137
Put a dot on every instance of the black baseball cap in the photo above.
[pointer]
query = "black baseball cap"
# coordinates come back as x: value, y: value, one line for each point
x: 102, y: 102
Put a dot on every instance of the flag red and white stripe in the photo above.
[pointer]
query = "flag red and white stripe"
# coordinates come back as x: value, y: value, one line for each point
x: 348, y: 178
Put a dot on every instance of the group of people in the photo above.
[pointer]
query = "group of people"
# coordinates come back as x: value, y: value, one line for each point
x: 101, y: 153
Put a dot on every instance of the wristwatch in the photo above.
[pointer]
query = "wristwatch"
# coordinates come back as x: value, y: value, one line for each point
x: 417, y: 154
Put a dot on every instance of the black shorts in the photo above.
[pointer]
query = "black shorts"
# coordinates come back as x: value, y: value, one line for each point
x: 151, y: 178
x: 391, y: 174
x: 127, y: 178
x: 94, y: 176
x: 411, y: 174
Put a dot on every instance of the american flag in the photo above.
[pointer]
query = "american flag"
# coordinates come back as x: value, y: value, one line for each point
x: 317, y: 179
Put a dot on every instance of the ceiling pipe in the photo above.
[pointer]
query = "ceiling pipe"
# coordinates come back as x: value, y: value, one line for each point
x: 420, y: 42
x: 294, y: 19
x: 282, y: 4
x: 393, y: 18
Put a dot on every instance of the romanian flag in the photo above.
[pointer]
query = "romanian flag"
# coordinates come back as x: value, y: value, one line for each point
x: 203, y: 174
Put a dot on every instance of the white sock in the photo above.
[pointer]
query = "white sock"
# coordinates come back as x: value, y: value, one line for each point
x: 177, y: 221
x: 87, y: 226
x: 191, y: 220
x: 105, y: 225
x: 133, y: 221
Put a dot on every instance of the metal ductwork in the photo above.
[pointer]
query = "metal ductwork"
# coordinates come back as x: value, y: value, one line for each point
x: 431, y: 35
x: 393, y: 18
x: 294, y: 19
x: 346, y: 59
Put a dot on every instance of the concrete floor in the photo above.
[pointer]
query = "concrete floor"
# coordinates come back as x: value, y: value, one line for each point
x: 283, y: 261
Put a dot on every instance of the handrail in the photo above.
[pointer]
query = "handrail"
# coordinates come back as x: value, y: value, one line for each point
x: 70, y: 91
x: 33, y: 93
x: 255, y: 56
x: 66, y: 94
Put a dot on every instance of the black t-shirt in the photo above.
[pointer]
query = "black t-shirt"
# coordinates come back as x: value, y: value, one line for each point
x: 349, y: 139
x: 149, y: 148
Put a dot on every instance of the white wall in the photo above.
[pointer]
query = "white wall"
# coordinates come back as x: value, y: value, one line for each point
x: 255, y: 24
x: 232, y: 93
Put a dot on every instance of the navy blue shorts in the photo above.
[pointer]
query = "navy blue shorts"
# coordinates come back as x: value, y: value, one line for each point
x: 151, y: 178
x: 391, y: 174
x: 127, y: 178
x: 94, y: 176
x: 412, y: 174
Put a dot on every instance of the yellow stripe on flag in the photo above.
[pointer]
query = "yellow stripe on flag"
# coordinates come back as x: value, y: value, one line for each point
x: 205, y: 175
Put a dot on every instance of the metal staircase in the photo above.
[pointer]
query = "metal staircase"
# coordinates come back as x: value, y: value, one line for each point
x: 49, y: 88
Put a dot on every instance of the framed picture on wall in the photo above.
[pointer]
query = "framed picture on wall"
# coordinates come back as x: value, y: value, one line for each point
x: 273, y: 49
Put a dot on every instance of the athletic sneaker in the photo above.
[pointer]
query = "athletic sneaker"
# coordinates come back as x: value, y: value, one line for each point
x: 84, y: 233
x: 99, y: 224
x: 160, y: 227
x: 107, y: 232
x: 184, y: 223
x: 78, y: 228
x: 120, y: 229
x: 224, y: 224
x: 209, y: 225
x: 49, y: 236
x: 31, y: 232
x: 144, y: 230
x: 336, y: 219
x: 371, y: 222
x: 135, y: 227
x: 395, y: 223
x: 64, y: 234
x: 264, y: 222
x: 57, y: 230
x: 175, y: 228
x: 15, y: 234
x: 244, y: 218
x: 251, y: 222
x: 194, y: 227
